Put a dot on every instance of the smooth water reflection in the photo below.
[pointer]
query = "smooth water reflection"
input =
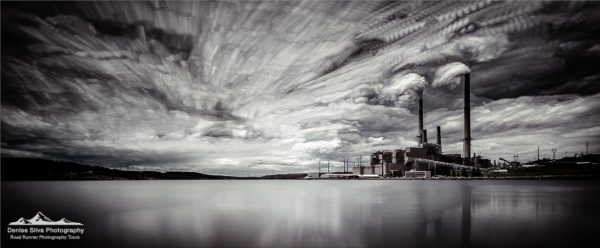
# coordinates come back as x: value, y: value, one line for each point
x: 288, y: 213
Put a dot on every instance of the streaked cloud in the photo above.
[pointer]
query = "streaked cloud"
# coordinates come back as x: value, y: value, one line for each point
x: 268, y: 87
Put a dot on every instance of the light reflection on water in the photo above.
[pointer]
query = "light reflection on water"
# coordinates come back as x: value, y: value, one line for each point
x: 288, y: 213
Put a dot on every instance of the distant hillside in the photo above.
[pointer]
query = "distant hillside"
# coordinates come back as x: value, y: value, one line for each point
x: 285, y: 176
x: 593, y: 159
x: 584, y: 165
x: 32, y: 169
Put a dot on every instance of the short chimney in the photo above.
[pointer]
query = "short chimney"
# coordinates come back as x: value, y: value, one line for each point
x: 420, y: 137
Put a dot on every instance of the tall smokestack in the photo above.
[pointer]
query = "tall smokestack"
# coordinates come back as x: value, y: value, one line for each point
x: 467, y: 121
x: 420, y: 121
x: 424, y: 136
x: 439, y: 135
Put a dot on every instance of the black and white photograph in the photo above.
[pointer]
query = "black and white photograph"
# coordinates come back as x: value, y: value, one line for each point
x: 300, y: 123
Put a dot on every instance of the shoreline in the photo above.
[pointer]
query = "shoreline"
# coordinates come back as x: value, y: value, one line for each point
x: 546, y: 177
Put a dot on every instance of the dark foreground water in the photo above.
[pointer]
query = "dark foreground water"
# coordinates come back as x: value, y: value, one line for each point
x: 288, y: 213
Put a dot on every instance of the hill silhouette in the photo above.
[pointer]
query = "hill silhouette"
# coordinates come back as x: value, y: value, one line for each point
x: 36, y: 169
x: 32, y: 169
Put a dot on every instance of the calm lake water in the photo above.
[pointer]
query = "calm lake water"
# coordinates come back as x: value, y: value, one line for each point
x: 289, y: 213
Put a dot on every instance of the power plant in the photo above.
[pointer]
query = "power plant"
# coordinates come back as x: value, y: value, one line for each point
x: 427, y: 158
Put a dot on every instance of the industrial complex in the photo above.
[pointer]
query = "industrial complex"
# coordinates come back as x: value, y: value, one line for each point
x: 427, y: 159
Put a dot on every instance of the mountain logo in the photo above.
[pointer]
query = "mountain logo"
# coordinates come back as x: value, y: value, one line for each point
x: 42, y: 220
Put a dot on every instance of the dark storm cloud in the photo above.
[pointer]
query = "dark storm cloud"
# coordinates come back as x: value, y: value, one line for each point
x: 62, y: 144
x: 263, y: 86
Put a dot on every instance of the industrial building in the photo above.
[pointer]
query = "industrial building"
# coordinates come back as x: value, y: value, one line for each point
x: 421, y: 161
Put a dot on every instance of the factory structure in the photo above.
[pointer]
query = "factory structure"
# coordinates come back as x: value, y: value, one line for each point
x: 427, y: 158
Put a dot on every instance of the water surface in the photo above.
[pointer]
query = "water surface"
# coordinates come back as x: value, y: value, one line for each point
x: 290, y: 213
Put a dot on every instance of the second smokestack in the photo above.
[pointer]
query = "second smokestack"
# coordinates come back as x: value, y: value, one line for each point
x: 439, y: 135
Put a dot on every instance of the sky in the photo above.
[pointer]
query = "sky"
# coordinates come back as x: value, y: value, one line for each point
x: 265, y: 87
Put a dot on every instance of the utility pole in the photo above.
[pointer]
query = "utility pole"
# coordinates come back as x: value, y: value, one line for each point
x: 319, y: 168
x: 554, y: 153
x: 360, y: 162
x: 538, y: 153
x: 587, y: 151
x: 346, y: 164
x: 328, y: 167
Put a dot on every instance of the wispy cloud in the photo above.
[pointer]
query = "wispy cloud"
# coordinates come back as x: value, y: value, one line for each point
x: 263, y: 87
